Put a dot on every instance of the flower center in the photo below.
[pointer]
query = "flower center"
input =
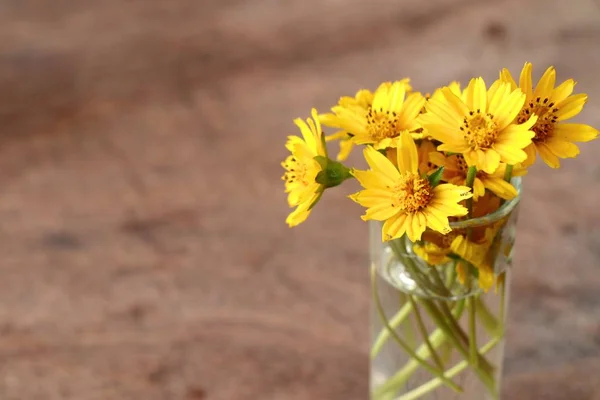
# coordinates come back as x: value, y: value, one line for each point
x: 296, y: 172
x: 382, y: 124
x: 545, y: 110
x: 412, y: 193
x: 461, y: 164
x: 479, y: 129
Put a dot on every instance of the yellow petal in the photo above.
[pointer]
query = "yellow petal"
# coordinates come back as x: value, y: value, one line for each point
x: 549, y: 158
x: 380, y: 212
x: 307, y: 134
x: 437, y: 220
x: 410, y: 109
x: 478, y: 189
x: 509, y: 108
x: 500, y: 187
x: 498, y: 97
x: 345, y: 149
x: 571, y: 106
x: 396, y: 94
x: 370, y: 179
x: 381, y: 98
x: 563, y: 91
x: 545, y: 86
x: 419, y: 223
x: 446, y: 114
x: 510, y: 154
x: 525, y: 82
x: 489, y: 160
x: 455, y: 102
x: 486, y: 277
x: 476, y: 95
x: 575, y: 132
x: 506, y: 77
x: 531, y: 156
x: 378, y: 162
x: 562, y: 148
x: 394, y: 227
x: 408, y: 157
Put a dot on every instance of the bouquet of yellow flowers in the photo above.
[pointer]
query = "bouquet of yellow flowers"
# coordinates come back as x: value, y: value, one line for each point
x: 442, y: 193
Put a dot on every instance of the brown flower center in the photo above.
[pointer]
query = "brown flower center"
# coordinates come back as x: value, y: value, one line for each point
x: 382, y: 124
x: 545, y: 111
x: 296, y: 172
x: 412, y: 193
x: 479, y: 129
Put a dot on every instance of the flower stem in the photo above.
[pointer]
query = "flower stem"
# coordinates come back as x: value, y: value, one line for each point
x: 473, y: 356
x: 424, y: 334
x: 508, y: 173
x: 384, y: 335
x: 452, y: 372
x: 403, y: 345
x: 437, y: 338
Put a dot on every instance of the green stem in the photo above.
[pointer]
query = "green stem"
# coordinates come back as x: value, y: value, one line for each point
x: 489, y: 321
x: 403, y: 345
x: 471, y: 174
x: 424, y: 334
x: 452, y: 372
x: 508, y: 173
x: 437, y: 338
x: 384, y: 335
x: 473, y: 354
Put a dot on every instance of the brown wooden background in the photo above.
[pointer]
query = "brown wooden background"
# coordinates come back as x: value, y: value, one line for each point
x: 144, y: 254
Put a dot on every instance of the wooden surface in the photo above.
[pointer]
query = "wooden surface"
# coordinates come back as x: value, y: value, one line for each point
x: 144, y: 250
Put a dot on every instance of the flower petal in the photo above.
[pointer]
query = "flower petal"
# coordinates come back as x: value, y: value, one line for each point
x: 549, y: 158
x: 563, y: 91
x: 476, y: 95
x: 575, y: 132
x: 394, y: 227
x: 545, y: 86
x: 408, y: 157
x: 378, y: 162
x: 525, y: 82
x: 571, y: 106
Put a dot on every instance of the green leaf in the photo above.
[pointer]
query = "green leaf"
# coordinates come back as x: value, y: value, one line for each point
x: 436, y: 177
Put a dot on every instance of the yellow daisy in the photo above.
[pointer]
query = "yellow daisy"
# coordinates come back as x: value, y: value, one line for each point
x: 553, y: 138
x: 479, y: 256
x: 402, y: 198
x: 432, y: 253
x: 455, y: 171
x: 480, y: 125
x: 380, y: 124
x: 362, y: 101
x: 302, y: 169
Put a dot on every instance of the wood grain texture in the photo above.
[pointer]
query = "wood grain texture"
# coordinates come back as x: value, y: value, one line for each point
x: 144, y: 250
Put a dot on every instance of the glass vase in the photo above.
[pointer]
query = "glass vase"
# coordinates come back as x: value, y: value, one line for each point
x: 439, y: 308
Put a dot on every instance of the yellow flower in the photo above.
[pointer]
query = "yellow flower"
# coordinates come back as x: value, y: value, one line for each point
x: 402, y: 198
x: 553, y: 139
x: 425, y: 149
x: 478, y: 255
x: 302, y: 169
x: 361, y: 102
x: 437, y: 94
x: 381, y: 122
x: 479, y: 125
x: 432, y: 253
x: 455, y: 171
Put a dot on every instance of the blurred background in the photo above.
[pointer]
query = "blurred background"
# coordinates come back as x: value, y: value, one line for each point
x: 144, y: 250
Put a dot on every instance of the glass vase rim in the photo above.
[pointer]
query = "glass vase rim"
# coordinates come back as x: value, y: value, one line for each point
x: 502, y: 211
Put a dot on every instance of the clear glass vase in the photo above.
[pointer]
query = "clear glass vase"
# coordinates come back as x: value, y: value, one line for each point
x: 439, y: 309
